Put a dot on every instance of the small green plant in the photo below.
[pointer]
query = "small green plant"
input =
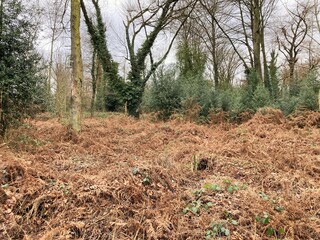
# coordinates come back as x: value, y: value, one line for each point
x: 281, y: 231
x: 273, y: 232
x: 264, y: 196
x: 197, y: 204
x: 244, y: 186
x: 279, y: 208
x: 229, y: 216
x: 270, y: 231
x: 207, y: 205
x: 51, y: 182
x: 195, y: 207
x: 217, y: 230
x: 145, y: 178
x: 64, y: 188
x: 263, y: 218
x: 230, y: 187
x: 197, y: 193
x: 213, y: 187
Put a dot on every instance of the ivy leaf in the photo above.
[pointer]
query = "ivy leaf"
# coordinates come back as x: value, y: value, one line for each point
x: 5, y: 186
x: 195, y: 210
x: 270, y: 231
x: 185, y: 210
x: 234, y: 222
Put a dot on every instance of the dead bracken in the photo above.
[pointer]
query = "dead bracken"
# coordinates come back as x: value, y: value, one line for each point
x: 134, y: 179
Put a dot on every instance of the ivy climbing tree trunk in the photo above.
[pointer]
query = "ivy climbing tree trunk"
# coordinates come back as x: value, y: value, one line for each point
x: 77, y: 71
x: 2, y: 97
x: 113, y: 86
x: 156, y: 17
x: 94, y: 82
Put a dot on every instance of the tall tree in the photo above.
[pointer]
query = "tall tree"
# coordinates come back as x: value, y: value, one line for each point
x: 150, y: 20
x: 292, y: 36
x: 316, y: 13
x: 190, y: 54
x: 246, y: 33
x: 77, y: 69
x: 61, y: 75
x: 55, y: 14
x: 222, y: 59
x: 254, y: 15
x: 111, y: 85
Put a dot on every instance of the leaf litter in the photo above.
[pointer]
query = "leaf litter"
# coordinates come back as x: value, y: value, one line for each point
x: 135, y: 179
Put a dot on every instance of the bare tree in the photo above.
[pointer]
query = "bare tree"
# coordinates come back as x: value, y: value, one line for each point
x: 292, y: 36
x: 222, y: 59
x: 316, y: 13
x: 246, y: 33
x: 62, y: 77
x: 55, y: 17
x: 148, y: 22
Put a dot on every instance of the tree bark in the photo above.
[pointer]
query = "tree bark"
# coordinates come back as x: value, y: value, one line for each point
x: 2, y: 95
x: 267, y: 82
x: 94, y: 82
x: 319, y: 99
x: 256, y: 37
x: 214, y: 53
x: 113, y: 84
x: 77, y: 71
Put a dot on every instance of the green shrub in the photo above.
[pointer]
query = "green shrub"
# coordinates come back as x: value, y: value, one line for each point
x: 288, y: 104
x: 164, y: 95
x: 308, y: 98
x: 302, y: 95
x: 226, y: 100
x: 261, y: 97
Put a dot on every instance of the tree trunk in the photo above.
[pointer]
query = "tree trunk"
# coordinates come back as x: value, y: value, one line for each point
x: 2, y: 95
x: 291, y: 69
x: 134, y: 100
x: 256, y: 38
x: 94, y: 83
x: 63, y: 87
x: 51, y: 59
x: 113, y: 85
x: 77, y: 74
x: 214, y: 53
x: 267, y: 81
x: 319, y: 99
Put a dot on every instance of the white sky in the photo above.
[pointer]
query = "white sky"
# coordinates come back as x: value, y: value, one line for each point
x: 114, y: 14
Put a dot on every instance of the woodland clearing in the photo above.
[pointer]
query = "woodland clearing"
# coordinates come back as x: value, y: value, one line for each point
x: 136, y: 179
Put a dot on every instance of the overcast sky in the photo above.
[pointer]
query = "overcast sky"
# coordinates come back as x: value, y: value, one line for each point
x: 114, y: 14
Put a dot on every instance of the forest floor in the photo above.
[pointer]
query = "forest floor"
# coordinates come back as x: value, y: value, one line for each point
x: 136, y: 179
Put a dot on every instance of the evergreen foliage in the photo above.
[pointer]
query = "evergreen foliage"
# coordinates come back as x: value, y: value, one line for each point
x: 308, y: 94
x: 274, y: 81
x: 191, y: 59
x: 249, y: 90
x: 226, y: 100
x: 165, y: 93
x: 20, y: 84
x: 261, y: 97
